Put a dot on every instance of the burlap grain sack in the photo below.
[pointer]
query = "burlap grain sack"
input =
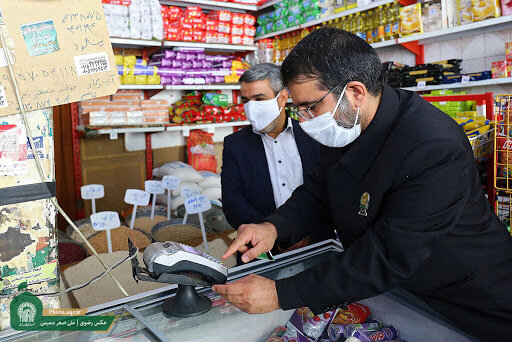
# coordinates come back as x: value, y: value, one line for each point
x: 105, y: 290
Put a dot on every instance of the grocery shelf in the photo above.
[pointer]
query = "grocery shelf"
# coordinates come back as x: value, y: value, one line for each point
x: 212, y: 47
x: 204, y: 87
x: 124, y: 42
x: 211, y: 5
x: 142, y: 86
x: 163, y: 128
x: 102, y: 131
x: 324, y: 19
x: 488, y: 25
x: 489, y: 82
x: 268, y: 4
x: 208, y: 126
x: 383, y: 44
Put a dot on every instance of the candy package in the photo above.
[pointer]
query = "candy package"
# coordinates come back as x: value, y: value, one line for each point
x: 410, y: 19
x: 485, y: 9
x: 309, y: 324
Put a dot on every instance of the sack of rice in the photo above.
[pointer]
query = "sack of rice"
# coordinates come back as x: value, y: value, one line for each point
x: 184, y: 172
x: 214, y: 194
x: 192, y: 186
x: 210, y: 180
x: 175, y: 201
x: 119, y: 237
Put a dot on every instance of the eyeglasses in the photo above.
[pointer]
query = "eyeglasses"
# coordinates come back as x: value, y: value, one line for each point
x: 306, y: 113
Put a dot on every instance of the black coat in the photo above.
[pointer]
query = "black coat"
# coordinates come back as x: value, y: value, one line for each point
x: 429, y: 227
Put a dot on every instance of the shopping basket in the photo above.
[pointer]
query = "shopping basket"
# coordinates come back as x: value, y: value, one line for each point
x: 482, y: 144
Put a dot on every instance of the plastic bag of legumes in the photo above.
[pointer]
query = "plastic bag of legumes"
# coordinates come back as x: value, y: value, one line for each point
x: 201, y: 151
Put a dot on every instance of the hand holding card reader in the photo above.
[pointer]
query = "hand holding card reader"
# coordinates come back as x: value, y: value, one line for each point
x: 176, y: 263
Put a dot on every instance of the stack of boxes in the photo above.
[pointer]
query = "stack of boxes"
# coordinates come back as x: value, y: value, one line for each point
x: 135, y: 19
x: 455, y: 109
x: 219, y: 27
x: 503, y: 68
x: 192, y: 66
x: 126, y: 107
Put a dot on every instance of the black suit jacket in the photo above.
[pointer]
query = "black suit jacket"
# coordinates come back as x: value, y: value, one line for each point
x: 247, y: 195
x: 429, y: 227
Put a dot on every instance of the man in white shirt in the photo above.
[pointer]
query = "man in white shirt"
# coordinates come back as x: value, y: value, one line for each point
x: 264, y: 163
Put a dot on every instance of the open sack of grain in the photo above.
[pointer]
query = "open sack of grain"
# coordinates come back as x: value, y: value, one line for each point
x: 119, y: 237
x: 104, y: 290
x: 143, y: 219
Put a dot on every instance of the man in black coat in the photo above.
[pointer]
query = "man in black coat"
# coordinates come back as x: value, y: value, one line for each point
x: 404, y: 195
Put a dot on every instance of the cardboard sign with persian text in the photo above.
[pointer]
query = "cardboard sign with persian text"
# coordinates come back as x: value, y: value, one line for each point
x: 60, y: 51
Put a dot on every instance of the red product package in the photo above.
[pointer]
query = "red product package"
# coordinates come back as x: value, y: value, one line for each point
x: 224, y: 27
x: 220, y: 15
x: 174, y: 13
x: 237, y: 18
x: 193, y: 12
x: 237, y: 30
x: 236, y: 39
x: 354, y: 313
x: 117, y: 2
x: 199, y: 36
x: 187, y: 36
x: 211, y: 25
x: 173, y: 33
x: 249, y: 19
x: 211, y: 37
x: 246, y: 40
x: 249, y: 30
x: 201, y: 151
x: 223, y: 38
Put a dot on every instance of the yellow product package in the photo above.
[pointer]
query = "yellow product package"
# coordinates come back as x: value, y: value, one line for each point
x: 410, y: 19
x: 464, y: 12
x: 485, y: 9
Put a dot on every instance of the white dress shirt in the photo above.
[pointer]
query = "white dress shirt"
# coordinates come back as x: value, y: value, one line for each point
x: 284, y: 163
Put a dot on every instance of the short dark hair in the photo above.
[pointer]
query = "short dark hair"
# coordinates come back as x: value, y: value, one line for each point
x: 334, y: 57
x: 264, y: 71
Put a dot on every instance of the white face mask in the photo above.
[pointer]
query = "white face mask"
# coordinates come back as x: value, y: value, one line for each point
x: 261, y: 113
x: 326, y: 131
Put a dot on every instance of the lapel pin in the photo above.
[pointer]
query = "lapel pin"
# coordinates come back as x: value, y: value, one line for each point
x: 363, y: 204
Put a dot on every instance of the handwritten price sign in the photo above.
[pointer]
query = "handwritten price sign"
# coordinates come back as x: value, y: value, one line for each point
x: 197, y: 204
x: 136, y: 197
x: 105, y: 220
x: 154, y: 187
x: 92, y: 191
x: 171, y: 182
x: 187, y: 192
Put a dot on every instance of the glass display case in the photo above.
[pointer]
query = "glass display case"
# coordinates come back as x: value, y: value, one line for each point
x: 140, y: 317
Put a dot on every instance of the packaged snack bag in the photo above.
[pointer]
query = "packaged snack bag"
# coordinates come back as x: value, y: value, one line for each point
x: 310, y: 325
x: 201, y: 151
x: 410, y: 19
x: 485, y: 9
x: 353, y: 313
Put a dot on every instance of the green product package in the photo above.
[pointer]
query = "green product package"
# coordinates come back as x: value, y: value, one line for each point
x: 215, y: 99
x: 281, y: 13
x: 294, y: 20
x: 312, y: 15
x: 280, y: 24
x: 282, y: 4
x: 308, y: 5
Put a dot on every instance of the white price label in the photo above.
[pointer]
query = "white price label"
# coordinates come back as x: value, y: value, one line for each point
x: 113, y: 136
x: 92, y: 191
x: 154, y: 187
x: 422, y: 84
x: 105, y: 220
x: 465, y: 79
x: 92, y: 63
x: 136, y: 197
x: 187, y: 192
x: 171, y: 182
x: 197, y: 204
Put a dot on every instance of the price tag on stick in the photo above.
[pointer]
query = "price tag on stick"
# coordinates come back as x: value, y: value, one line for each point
x: 170, y: 183
x: 106, y: 220
x: 187, y: 192
x: 92, y: 192
x: 154, y: 188
x: 198, y: 205
x: 136, y: 198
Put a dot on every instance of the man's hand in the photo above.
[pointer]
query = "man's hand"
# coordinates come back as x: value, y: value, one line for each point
x: 252, y: 294
x: 262, y: 236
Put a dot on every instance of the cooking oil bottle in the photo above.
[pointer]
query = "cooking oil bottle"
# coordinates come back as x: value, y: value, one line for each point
x: 369, y: 27
x: 388, y: 31
x: 395, y: 9
x: 276, y: 57
x: 358, y: 26
x: 375, y: 27
x: 350, y: 23
x: 381, y: 24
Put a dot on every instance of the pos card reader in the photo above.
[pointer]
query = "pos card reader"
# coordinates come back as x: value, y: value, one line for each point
x: 175, y: 263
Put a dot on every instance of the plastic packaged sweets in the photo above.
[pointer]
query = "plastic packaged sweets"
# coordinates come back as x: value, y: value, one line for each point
x: 464, y: 12
x: 485, y: 9
x: 410, y: 19
x: 431, y: 16
x: 339, y: 6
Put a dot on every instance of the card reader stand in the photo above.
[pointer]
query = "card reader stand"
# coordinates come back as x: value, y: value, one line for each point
x: 187, y: 302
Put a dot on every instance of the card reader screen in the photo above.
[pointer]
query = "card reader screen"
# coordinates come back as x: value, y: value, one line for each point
x: 190, y: 249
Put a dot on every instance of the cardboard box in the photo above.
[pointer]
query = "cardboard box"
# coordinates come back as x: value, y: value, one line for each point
x: 61, y: 53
